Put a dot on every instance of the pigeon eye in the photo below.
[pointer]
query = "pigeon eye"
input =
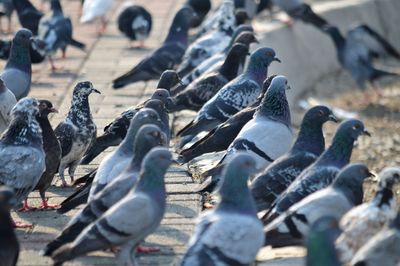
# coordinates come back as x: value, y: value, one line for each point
x: 356, y: 127
x: 321, y: 113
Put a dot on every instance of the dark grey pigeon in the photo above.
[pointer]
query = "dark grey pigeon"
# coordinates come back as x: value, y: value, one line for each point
x: 28, y: 15
x: 321, y: 173
x: 148, y: 137
x: 381, y: 249
x: 230, y: 234
x: 17, y: 74
x: 78, y: 131
x: 165, y: 57
x: 310, y: 144
x: 117, y: 226
x: 55, y: 30
x: 357, y: 51
x: 233, y: 97
x: 294, y: 224
x: 22, y: 158
x: 135, y: 22
x: 223, y: 135
x: 52, y: 149
x: 9, y: 246
x: 201, y: 8
x: 205, y: 87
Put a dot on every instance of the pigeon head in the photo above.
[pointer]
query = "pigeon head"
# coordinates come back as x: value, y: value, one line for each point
x: 169, y: 78
x: 178, y: 32
x: 259, y: 62
x: 241, y: 16
x: 7, y: 198
x: 156, y: 105
x: 319, y: 114
x: 45, y: 108
x: 84, y: 89
x: 239, y: 30
x: 350, y: 179
x: 23, y: 36
x: 164, y: 96
x: 388, y: 177
x: 246, y: 37
x: 321, y: 242
x: 351, y: 129
x: 19, y: 55
x: 275, y: 105
x: 236, y: 55
x: 26, y: 106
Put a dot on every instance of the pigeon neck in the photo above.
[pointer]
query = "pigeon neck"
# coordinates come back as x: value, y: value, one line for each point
x: 339, y: 153
x: 321, y: 249
x: 256, y: 71
x: 45, y: 125
x: 338, y: 39
x: 80, y: 109
x: 311, y: 138
x: 152, y: 183
x: 240, y: 201
x: 127, y: 144
x: 275, y: 107
x: 56, y: 7
x: 19, y: 57
x: 21, y: 5
x: 23, y: 130
x: 384, y: 196
x: 230, y: 67
x: 351, y: 188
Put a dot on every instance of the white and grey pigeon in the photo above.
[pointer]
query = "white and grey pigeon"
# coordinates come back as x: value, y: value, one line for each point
x: 321, y: 173
x: 96, y: 9
x: 55, y: 30
x: 364, y: 221
x: 148, y: 137
x: 117, y: 226
x: 230, y: 234
x: 309, y: 145
x: 17, y: 74
x: 77, y: 132
x: 7, y: 102
x: 294, y: 224
x: 22, y: 158
x: 381, y: 249
x: 233, y: 97
x: 266, y: 137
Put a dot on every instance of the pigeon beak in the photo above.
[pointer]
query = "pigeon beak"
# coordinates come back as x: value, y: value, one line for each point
x: 96, y: 91
x: 366, y: 133
x: 256, y: 40
x: 53, y: 110
x: 173, y: 161
x: 370, y: 174
x: 333, y: 118
x: 277, y: 59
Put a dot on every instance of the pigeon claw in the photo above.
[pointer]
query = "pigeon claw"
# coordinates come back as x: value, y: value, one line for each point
x: 142, y: 249
x: 21, y: 225
x: 45, y: 206
x: 26, y: 207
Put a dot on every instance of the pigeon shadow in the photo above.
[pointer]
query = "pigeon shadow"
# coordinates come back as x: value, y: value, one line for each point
x: 42, y: 85
x: 64, y: 74
x: 377, y: 110
x: 181, y: 211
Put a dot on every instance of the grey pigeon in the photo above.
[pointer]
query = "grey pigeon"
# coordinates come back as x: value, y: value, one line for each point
x: 320, y: 242
x: 149, y: 136
x: 323, y: 171
x: 17, y: 73
x: 381, y: 249
x: 21, y: 151
x: 165, y: 57
x: 7, y: 102
x: 9, y: 246
x: 201, y: 8
x: 211, y: 43
x: 357, y: 51
x: 294, y: 224
x: 52, y: 149
x: 233, y: 97
x: 309, y: 145
x: 364, y: 221
x: 117, y: 227
x: 135, y: 22
x: 205, y: 87
x: 28, y: 15
x: 55, y: 30
x: 78, y: 131
x: 230, y: 234
x: 266, y: 137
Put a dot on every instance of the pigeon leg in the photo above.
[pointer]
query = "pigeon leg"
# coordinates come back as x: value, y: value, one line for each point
x: 26, y: 207
x: 208, y: 205
x: 61, y: 174
x: 72, y: 169
x: 64, y: 53
x: 45, y: 205
x: 9, y: 26
x: 143, y: 249
x: 21, y: 225
x: 287, y: 21
x: 53, y: 67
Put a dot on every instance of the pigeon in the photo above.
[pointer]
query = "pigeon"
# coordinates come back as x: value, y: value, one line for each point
x: 112, y: 165
x: 320, y: 242
x: 79, y: 197
x: 52, y: 150
x: 7, y: 7
x: 294, y: 224
x: 309, y: 145
x: 55, y: 30
x: 201, y: 8
x: 9, y: 246
x: 7, y: 102
x: 223, y: 135
x: 77, y: 132
x: 28, y: 15
x: 357, y: 50
x: 165, y: 57
x: 233, y: 97
x: 266, y: 137
x: 364, y: 221
x: 205, y: 87
x: 22, y: 145
x: 96, y: 9
x: 149, y: 136
x: 168, y: 79
x: 381, y: 249
x: 115, y: 132
x: 323, y: 171
x: 230, y: 234
x: 211, y: 43
x: 146, y: 200
x: 162, y: 112
x: 297, y: 9
x: 36, y: 53
x: 134, y: 22
x: 17, y: 74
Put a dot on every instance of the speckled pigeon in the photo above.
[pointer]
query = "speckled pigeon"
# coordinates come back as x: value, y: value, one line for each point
x: 310, y: 143
x: 7, y: 102
x: 294, y: 224
x: 78, y: 131
x: 321, y: 173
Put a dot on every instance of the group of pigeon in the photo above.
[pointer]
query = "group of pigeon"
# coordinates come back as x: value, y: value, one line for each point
x: 275, y: 187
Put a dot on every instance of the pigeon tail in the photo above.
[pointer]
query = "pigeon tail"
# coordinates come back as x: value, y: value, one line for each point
x: 88, y: 178
x: 277, y: 239
x: 93, y: 152
x: 377, y: 74
x: 209, y: 185
x: 77, y: 44
x: 177, y: 89
x: 194, y: 128
x: 135, y: 75
x: 77, y: 198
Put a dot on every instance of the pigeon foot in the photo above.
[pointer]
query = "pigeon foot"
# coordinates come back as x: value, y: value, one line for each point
x: 21, y: 225
x: 142, y: 249
x: 26, y: 207
x: 45, y: 206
